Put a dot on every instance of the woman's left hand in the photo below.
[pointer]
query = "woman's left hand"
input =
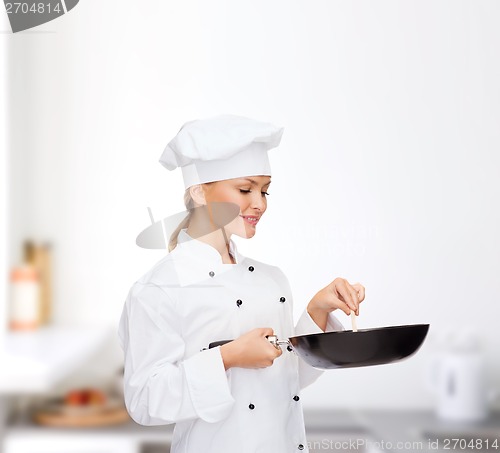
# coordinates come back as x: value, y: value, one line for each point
x: 338, y: 294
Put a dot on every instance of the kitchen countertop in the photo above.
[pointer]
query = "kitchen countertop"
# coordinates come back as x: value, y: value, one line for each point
x: 410, y: 430
x: 389, y: 430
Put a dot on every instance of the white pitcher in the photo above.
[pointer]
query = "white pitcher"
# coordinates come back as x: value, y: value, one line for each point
x: 457, y: 378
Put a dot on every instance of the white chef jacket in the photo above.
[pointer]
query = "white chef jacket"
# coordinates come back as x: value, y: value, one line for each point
x: 188, y: 300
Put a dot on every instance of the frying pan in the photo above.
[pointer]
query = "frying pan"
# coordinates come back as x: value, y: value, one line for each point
x: 348, y: 349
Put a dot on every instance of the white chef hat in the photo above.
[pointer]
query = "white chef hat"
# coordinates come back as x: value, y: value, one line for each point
x: 221, y: 147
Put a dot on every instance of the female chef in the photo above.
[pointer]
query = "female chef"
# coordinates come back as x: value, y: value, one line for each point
x: 243, y: 396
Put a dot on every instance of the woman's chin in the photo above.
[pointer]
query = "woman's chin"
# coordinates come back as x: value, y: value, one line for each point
x: 245, y: 231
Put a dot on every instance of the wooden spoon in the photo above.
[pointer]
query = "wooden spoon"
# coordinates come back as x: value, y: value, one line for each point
x: 353, y: 322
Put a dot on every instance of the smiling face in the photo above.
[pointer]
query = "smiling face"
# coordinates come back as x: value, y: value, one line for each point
x: 249, y: 193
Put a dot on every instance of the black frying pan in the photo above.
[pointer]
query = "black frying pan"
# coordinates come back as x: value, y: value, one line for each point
x: 348, y: 349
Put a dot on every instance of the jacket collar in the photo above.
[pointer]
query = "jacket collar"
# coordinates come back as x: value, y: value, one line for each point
x: 194, y: 260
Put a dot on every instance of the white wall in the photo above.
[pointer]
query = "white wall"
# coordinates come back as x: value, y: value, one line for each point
x: 387, y: 173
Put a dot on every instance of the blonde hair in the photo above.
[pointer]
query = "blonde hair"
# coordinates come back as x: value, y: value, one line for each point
x: 190, y: 205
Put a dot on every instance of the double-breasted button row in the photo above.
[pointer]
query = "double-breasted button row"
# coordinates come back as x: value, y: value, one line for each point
x: 212, y: 273
x: 252, y: 406
x: 282, y: 299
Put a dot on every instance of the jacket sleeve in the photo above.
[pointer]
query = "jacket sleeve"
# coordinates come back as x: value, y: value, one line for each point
x: 161, y: 386
x: 306, y: 325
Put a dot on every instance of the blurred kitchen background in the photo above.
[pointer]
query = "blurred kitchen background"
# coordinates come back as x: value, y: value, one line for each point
x: 387, y: 175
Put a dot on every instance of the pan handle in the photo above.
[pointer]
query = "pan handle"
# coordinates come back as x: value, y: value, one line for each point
x: 273, y: 339
x: 214, y: 344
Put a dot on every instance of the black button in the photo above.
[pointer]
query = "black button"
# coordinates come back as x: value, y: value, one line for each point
x: 289, y: 348
x: 251, y: 406
x: 296, y: 398
x: 282, y: 299
x: 239, y: 302
x: 251, y: 268
x: 300, y: 447
x: 211, y: 273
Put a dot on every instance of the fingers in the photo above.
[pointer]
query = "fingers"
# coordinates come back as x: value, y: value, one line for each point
x: 345, y: 308
x: 338, y: 289
x: 354, y: 299
x: 253, y: 349
x: 349, y: 295
x: 264, y: 331
x: 276, y: 347
x: 276, y: 350
x: 361, y: 291
x: 360, y: 294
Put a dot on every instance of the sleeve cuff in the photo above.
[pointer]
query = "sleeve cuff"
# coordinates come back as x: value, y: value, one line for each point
x: 306, y: 325
x: 208, y: 385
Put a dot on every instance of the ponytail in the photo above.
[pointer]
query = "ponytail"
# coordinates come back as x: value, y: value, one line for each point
x: 190, y: 205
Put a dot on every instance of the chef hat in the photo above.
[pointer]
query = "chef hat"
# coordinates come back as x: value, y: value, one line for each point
x: 221, y: 147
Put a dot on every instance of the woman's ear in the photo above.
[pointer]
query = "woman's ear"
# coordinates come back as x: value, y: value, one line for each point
x: 198, y: 194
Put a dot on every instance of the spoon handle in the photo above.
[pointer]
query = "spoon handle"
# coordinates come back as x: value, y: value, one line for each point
x: 353, y: 322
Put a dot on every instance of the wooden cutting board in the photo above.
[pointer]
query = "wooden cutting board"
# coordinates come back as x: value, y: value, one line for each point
x: 87, y: 417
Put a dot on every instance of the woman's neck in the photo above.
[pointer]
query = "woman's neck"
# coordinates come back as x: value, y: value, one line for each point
x: 218, y: 239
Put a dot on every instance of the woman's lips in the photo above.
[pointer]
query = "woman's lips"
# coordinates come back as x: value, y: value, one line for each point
x: 251, y: 219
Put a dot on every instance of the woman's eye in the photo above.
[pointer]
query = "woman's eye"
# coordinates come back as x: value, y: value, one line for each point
x: 248, y: 191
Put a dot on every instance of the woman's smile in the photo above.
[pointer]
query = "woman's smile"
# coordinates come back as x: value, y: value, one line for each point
x: 251, y: 220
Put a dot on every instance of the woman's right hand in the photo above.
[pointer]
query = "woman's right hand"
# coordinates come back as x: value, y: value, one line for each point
x: 251, y: 350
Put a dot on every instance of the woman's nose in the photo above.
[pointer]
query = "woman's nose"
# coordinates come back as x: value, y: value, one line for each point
x: 259, y: 202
